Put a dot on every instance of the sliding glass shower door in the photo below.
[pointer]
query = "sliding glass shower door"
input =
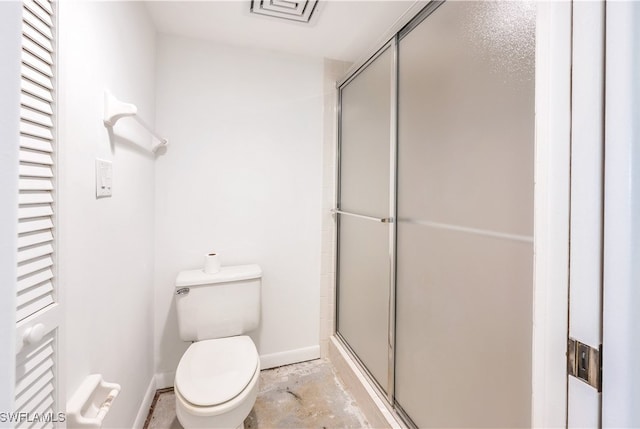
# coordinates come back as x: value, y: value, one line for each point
x: 364, y: 261
x: 465, y: 216
x: 435, y: 232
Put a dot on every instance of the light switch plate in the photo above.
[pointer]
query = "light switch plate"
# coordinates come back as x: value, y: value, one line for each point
x: 104, y: 178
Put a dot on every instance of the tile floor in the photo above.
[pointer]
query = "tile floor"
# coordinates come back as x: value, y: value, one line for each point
x: 303, y: 395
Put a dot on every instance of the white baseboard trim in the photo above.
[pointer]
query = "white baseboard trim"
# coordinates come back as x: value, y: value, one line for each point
x: 165, y: 379
x: 143, y: 411
x: 290, y: 356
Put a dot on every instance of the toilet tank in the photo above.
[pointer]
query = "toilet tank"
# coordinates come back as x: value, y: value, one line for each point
x: 218, y: 305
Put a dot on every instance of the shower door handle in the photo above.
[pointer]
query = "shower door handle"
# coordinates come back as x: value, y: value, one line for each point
x: 375, y: 219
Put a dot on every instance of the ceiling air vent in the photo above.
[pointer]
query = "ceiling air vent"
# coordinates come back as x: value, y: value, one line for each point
x: 300, y: 11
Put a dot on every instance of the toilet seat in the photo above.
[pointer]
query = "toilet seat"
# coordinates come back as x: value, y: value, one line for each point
x: 213, y: 372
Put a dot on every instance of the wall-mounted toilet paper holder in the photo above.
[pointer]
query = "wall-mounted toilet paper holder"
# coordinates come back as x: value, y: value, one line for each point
x: 90, y: 404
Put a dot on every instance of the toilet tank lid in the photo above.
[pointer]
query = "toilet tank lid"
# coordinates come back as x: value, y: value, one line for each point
x: 226, y: 274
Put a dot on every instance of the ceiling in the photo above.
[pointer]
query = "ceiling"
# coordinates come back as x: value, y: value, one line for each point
x: 342, y: 30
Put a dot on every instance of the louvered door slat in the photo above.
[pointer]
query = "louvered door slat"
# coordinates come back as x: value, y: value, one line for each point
x: 41, y: 410
x: 35, y: 197
x: 38, y: 11
x: 34, y: 23
x: 26, y: 362
x: 35, y: 211
x: 36, y: 90
x: 29, y: 142
x: 40, y: 292
x: 30, y: 31
x: 31, y: 375
x: 33, y: 239
x: 35, y: 279
x: 32, y: 211
x: 36, y: 185
x: 33, y: 129
x: 42, y: 388
x: 33, y: 306
x: 36, y: 76
x: 31, y: 267
x: 44, y: 4
x: 36, y: 104
x: 35, y: 171
x: 36, y: 117
x: 36, y: 63
x: 35, y: 225
x: 31, y: 358
x: 35, y: 157
x: 37, y: 23
x: 38, y: 425
x: 37, y: 50
x: 35, y: 251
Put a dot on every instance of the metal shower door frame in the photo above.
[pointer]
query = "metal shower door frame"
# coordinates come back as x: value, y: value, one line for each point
x: 386, y: 391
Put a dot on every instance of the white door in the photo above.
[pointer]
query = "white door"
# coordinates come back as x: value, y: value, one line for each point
x: 38, y: 314
x: 587, y: 184
x: 621, y: 300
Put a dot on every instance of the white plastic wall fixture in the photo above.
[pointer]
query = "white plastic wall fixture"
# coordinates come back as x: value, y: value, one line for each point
x: 115, y: 109
x: 90, y: 404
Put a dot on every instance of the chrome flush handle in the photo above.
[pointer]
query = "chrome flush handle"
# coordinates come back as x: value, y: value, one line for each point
x: 183, y: 291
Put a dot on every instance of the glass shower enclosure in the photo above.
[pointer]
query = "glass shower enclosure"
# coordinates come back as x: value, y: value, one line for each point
x: 435, y: 215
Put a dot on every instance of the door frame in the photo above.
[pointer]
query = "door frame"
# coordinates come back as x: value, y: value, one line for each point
x: 551, y: 214
x: 11, y: 46
x: 621, y: 337
x: 391, y: 46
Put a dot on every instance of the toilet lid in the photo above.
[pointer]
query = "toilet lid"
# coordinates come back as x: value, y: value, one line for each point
x: 215, y: 371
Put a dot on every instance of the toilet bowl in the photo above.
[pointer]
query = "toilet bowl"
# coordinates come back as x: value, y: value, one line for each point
x: 217, y: 383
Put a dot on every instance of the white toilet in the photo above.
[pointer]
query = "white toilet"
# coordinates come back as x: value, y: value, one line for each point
x: 217, y: 378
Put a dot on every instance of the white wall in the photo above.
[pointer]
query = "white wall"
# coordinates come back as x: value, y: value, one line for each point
x: 242, y: 176
x: 10, y: 46
x: 106, y: 246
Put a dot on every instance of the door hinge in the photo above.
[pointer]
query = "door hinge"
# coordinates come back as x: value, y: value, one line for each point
x: 585, y: 363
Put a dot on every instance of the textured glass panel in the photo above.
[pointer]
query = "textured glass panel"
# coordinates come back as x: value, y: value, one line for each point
x: 364, y: 144
x: 364, y: 262
x: 463, y: 328
x: 363, y: 291
x: 466, y: 124
x: 465, y: 209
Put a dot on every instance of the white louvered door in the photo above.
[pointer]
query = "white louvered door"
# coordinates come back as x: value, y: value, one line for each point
x: 38, y: 313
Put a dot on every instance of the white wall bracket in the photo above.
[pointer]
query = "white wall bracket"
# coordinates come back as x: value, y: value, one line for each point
x: 90, y: 404
x: 115, y: 109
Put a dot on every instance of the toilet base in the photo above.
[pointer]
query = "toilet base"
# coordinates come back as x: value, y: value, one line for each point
x: 229, y: 415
